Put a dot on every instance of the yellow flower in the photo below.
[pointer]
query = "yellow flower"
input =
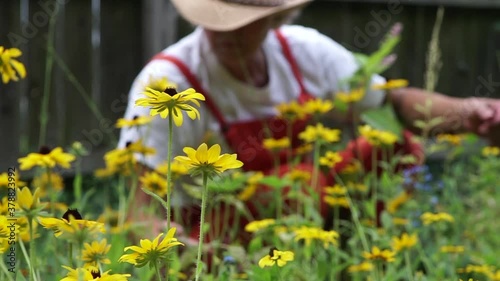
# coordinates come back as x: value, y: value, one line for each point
x: 320, y: 133
x: 28, y: 202
x: 252, y: 184
x: 177, y: 169
x: 429, y: 218
x: 362, y: 267
x: 48, y: 184
x: 151, y: 251
x: 170, y: 102
x: 72, y: 226
x: 255, y: 226
x: 138, y: 147
x: 335, y: 190
x: 205, y: 160
x: 92, y: 274
x: 351, y: 168
x: 377, y: 137
x: 377, y: 254
x: 276, y: 144
x: 314, y: 233
x: 452, y: 249
x: 404, y: 242
x: 330, y: 159
x: 354, y: 96
x: 453, y: 139
x: 318, y: 106
x: 276, y: 257
x: 361, y: 187
x: 299, y: 176
x: 291, y: 111
x: 490, y: 151
x: 337, y: 201
x: 119, y: 160
x: 9, y: 66
x: 159, y: 84
x: 394, y: 204
x: 110, y: 218
x: 47, y: 158
x: 137, y: 121
x: 391, y: 84
x: 6, y: 180
x: 95, y: 254
x: 155, y: 183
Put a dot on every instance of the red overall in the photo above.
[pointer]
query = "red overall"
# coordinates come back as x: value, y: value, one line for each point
x: 245, y: 138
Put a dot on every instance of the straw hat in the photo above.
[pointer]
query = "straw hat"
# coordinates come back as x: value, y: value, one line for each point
x: 226, y: 15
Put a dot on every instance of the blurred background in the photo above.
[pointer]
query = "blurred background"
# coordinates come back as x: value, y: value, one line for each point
x: 97, y: 47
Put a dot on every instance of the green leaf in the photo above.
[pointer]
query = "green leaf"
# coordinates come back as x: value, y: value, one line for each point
x: 275, y: 182
x: 383, y: 118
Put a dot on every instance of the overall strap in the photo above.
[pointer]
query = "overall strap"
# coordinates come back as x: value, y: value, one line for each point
x: 196, y: 85
x: 304, y: 95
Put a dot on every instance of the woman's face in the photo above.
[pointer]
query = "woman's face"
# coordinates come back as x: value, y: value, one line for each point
x: 243, y: 42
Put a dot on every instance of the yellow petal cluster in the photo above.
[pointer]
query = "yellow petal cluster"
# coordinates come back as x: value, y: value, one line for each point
x: 276, y: 257
x: 9, y: 66
x: 377, y: 137
x: 428, y: 218
x: 377, y: 254
x: 320, y: 132
x: 47, y: 159
x: 168, y: 102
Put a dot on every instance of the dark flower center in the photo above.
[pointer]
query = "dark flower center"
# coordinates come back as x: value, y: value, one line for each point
x: 135, y: 117
x: 95, y: 274
x: 170, y: 91
x: 127, y: 144
x: 72, y: 212
x: 44, y: 150
x: 271, y: 252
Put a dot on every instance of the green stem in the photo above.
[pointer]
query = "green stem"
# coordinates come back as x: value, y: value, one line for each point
x: 315, y: 175
x: 6, y: 271
x: 408, y: 266
x: 32, y: 249
x: 202, y: 224
x: 157, y: 269
x: 49, y: 62
x: 121, y: 202
x: 169, y: 165
x: 77, y: 184
x: 71, y: 261
x: 53, y: 195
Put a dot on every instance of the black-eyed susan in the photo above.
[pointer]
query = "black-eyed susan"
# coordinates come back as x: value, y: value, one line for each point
x: 291, y: 111
x: 334, y: 201
x: 139, y: 147
x: 177, y: 169
x: 490, y: 151
x: 94, y: 254
x: 391, y: 84
x: 335, y: 190
x: 276, y: 257
x: 429, y: 218
x: 170, y: 102
x: 28, y: 202
x: 362, y: 267
x: 73, y: 227
x: 111, y: 220
x: 405, y: 241
x: 299, y: 176
x: 320, y: 133
x: 255, y: 226
x: 377, y: 137
x: 48, y: 183
x: 308, y: 234
x: 452, y: 139
x: 318, y: 106
x: 10, y: 181
x: 159, y: 83
x: 92, y: 274
x: 154, y: 182
x: 151, y: 251
x: 352, y: 96
x: 208, y: 160
x: 9, y: 66
x: 47, y: 158
x: 395, y: 203
x: 136, y: 121
x: 276, y: 144
x: 330, y: 159
x: 381, y: 255
x: 252, y: 183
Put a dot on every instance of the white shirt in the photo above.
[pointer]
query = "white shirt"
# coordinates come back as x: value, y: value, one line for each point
x: 323, y: 63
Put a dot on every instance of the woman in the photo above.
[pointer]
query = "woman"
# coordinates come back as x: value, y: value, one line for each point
x: 245, y: 67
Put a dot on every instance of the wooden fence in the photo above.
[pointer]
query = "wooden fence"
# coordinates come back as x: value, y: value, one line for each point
x: 101, y: 45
